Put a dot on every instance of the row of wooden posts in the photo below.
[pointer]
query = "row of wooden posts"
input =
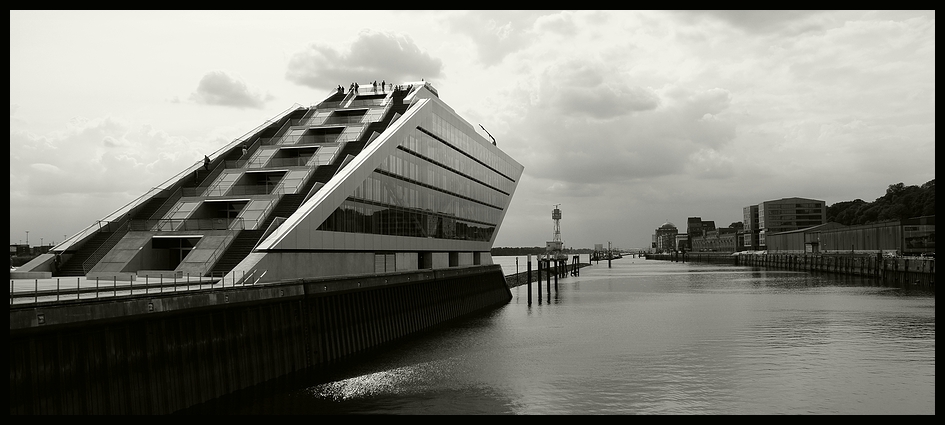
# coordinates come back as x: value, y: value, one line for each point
x: 554, y: 267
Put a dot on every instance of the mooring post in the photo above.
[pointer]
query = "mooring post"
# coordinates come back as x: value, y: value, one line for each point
x: 538, y: 289
x: 529, y: 276
x: 548, y: 280
x: 556, y: 275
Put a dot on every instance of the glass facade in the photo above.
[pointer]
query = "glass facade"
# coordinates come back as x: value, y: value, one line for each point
x: 439, y: 183
x: 789, y: 214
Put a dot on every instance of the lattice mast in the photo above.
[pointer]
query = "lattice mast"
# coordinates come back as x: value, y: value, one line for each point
x: 556, y: 216
x: 555, y: 247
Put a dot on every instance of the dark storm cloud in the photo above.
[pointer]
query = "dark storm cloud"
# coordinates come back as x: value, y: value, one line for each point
x: 373, y: 56
x: 218, y: 88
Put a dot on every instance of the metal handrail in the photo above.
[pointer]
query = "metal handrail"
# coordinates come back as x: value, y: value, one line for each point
x: 235, y: 190
x: 169, y: 202
x: 280, y: 133
x: 97, y: 225
x: 185, y: 224
x: 118, y: 234
x: 109, y: 287
x: 345, y: 120
x: 215, y: 255
x: 250, y: 277
x: 316, y: 140
x: 265, y: 212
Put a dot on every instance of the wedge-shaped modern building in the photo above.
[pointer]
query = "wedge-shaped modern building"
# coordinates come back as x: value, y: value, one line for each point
x: 334, y: 229
x: 377, y: 181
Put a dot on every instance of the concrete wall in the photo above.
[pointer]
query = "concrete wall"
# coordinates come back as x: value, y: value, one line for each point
x: 292, y: 265
x: 406, y: 261
x: 441, y: 260
x: 124, y: 256
x: 164, y: 353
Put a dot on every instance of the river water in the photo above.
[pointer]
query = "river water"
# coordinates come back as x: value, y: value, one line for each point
x: 649, y: 337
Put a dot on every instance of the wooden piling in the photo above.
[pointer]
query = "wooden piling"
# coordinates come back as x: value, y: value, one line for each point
x: 529, y: 276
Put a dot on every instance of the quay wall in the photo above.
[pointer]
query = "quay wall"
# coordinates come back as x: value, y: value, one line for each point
x: 916, y: 270
x: 163, y: 353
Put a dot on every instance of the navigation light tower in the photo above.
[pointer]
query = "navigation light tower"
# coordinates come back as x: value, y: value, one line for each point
x: 555, y: 246
x: 556, y: 216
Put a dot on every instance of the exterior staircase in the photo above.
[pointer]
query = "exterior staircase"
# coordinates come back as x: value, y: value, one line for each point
x: 288, y: 204
x: 238, y: 249
x: 91, y: 252
x: 247, y: 239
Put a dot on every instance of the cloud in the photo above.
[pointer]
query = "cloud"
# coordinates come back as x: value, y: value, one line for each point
x: 759, y: 22
x: 95, y: 156
x: 591, y: 125
x: 581, y: 87
x: 372, y: 56
x: 561, y: 24
x: 496, y: 34
x: 710, y: 164
x: 218, y: 88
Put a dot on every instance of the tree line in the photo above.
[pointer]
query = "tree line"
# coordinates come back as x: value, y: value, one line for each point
x: 531, y: 250
x: 900, y: 202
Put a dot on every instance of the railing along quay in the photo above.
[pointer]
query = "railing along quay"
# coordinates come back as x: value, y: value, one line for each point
x: 32, y: 291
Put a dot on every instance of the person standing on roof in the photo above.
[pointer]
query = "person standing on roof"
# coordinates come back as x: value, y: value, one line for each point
x: 206, y: 163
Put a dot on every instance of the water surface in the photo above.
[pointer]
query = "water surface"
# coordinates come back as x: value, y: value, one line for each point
x: 651, y: 337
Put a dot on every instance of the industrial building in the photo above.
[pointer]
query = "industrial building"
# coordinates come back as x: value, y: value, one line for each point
x: 915, y: 236
x: 725, y: 239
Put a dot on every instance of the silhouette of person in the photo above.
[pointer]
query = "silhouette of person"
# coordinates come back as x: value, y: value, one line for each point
x: 206, y: 163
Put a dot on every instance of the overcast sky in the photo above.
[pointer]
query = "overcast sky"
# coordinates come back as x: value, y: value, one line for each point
x: 626, y: 119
